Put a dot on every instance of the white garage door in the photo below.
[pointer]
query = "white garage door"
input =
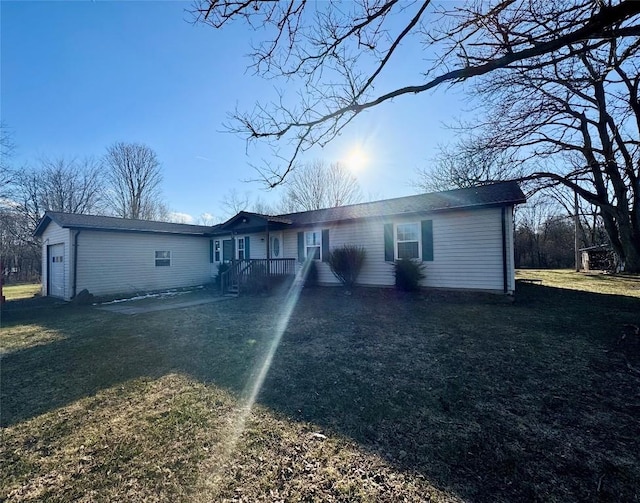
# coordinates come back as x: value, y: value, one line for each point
x: 56, y: 270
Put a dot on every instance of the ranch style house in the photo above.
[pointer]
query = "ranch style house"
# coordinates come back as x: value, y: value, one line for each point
x: 464, y: 237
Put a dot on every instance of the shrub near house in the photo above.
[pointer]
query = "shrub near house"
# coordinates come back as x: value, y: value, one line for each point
x: 346, y: 263
x: 409, y: 274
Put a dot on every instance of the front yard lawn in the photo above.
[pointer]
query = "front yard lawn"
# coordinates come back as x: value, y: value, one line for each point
x: 370, y: 397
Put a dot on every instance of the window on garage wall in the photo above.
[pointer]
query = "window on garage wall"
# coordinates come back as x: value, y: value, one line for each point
x: 163, y: 258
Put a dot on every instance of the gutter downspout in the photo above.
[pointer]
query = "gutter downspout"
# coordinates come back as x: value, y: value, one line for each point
x: 505, y: 279
x: 75, y: 262
x: 44, y: 274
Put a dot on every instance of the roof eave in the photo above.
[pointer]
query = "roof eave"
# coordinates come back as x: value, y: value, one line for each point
x: 144, y: 231
x: 42, y: 225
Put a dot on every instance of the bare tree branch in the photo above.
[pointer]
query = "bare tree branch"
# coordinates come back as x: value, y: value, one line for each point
x: 319, y: 44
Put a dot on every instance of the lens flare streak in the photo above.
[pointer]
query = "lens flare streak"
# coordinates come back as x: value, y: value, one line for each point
x: 254, y: 386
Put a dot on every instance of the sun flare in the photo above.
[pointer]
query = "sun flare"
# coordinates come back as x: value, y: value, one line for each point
x: 356, y: 159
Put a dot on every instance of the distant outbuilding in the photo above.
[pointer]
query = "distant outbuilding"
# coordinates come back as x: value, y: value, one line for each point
x: 598, y: 258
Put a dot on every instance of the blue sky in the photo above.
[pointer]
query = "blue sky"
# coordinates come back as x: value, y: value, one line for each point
x: 78, y: 76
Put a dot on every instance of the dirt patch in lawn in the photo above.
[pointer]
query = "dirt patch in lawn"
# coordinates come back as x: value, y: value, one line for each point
x: 370, y: 397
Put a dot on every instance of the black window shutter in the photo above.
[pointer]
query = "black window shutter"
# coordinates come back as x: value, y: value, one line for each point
x: 325, y: 245
x: 388, y: 242
x: 211, y: 250
x: 300, y: 246
x: 427, y: 240
x: 247, y: 254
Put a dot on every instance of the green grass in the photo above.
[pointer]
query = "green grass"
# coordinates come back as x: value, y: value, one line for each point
x: 372, y: 397
x: 18, y: 292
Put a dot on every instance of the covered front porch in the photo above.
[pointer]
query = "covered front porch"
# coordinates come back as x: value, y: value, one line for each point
x: 249, y: 250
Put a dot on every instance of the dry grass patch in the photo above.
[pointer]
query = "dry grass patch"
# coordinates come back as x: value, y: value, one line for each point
x: 136, y: 442
x: 18, y: 292
x: 595, y: 282
x: 167, y: 440
x: 26, y: 336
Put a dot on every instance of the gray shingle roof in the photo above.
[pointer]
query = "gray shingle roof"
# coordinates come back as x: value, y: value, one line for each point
x: 76, y: 221
x: 497, y: 194
x: 261, y: 216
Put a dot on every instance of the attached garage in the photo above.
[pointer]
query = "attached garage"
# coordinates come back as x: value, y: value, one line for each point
x: 111, y: 256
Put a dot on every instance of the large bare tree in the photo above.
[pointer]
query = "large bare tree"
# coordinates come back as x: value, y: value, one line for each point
x: 134, y: 178
x: 574, y: 122
x: 234, y: 201
x: 71, y: 186
x: 318, y: 185
x: 339, y: 54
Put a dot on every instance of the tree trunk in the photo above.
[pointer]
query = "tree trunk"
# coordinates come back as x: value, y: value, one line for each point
x: 631, y: 252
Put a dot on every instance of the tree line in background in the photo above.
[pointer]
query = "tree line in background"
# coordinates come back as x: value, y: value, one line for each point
x: 125, y: 182
x: 545, y: 234
x: 545, y: 227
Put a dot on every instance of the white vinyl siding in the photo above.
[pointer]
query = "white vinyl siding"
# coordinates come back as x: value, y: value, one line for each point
x: 118, y: 262
x: 467, y: 250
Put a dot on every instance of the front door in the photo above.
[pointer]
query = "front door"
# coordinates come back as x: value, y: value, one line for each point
x: 275, y: 245
x: 276, y: 250
x: 56, y: 270
x: 227, y: 250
